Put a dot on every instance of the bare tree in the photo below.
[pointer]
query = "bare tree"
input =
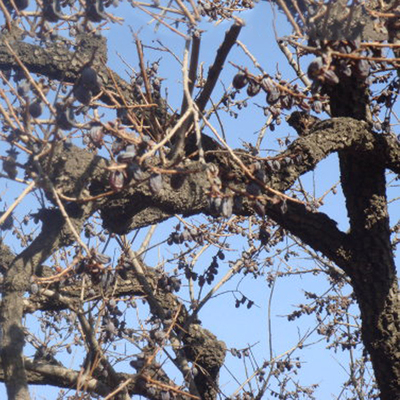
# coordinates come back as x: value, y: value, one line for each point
x: 102, y: 154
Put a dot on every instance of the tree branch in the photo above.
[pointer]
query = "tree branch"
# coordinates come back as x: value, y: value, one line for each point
x: 215, y: 70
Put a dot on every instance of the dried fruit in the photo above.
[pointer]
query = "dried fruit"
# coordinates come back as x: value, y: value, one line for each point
x: 287, y: 102
x: 315, y: 68
x: 89, y: 79
x: 36, y: 109
x: 34, y: 289
x: 263, y: 236
x: 253, y: 89
x: 65, y: 117
x: 20, y: 4
x: 52, y: 10
x: 128, y: 155
x: 83, y: 94
x: 345, y: 69
x: 9, y: 164
x: 156, y: 183
x: 362, y: 69
x: 267, y: 84
x: 317, y: 106
x: 117, y: 180
x: 273, y: 96
x: 95, y: 10
x: 227, y: 207
x: 165, y: 396
x: 101, y: 258
x: 239, y: 80
x: 96, y: 135
x: 330, y: 77
x: 135, y: 171
x: 23, y: 88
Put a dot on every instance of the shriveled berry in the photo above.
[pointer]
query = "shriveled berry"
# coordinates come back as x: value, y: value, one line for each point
x: 240, y: 80
x: 36, y: 109
x: 253, y: 89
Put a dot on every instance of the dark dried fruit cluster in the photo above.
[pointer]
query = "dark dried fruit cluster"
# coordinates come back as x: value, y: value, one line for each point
x: 10, y: 163
x: 210, y: 273
x: 87, y: 85
x: 154, y: 79
x: 244, y: 300
x: 221, y: 206
x: 240, y: 353
x: 169, y: 283
x: 329, y: 69
x: 120, y: 177
x: 250, y: 262
x: 19, y: 4
x: 187, y: 235
x: 65, y: 117
x: 188, y: 271
x: 331, y: 311
x: 112, y: 327
x: 386, y: 99
x: 280, y: 94
x: 94, y: 10
x: 95, y: 265
x: 33, y: 100
x: 264, y: 234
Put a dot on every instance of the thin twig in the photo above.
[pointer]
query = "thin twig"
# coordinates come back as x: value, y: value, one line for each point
x: 30, y: 79
x: 146, y: 241
x: 139, y: 49
x: 167, y: 137
x: 252, y: 58
x: 158, y: 19
x: 192, y: 75
x: 197, y: 15
x: 17, y: 201
x: 246, y: 170
x: 7, y: 15
x: 67, y: 219
x: 295, y: 65
x: 187, y: 13
x: 234, y: 269
x: 289, y: 15
x: 118, y: 389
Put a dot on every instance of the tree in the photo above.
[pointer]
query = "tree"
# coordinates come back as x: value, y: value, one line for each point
x: 102, y: 154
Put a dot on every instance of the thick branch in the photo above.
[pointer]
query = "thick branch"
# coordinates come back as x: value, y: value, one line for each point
x: 40, y: 373
x: 325, y: 138
x: 315, y: 229
x: 373, y: 271
x: 58, y: 63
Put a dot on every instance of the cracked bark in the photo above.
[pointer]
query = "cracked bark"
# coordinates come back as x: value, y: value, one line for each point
x: 373, y: 272
x: 371, y: 267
